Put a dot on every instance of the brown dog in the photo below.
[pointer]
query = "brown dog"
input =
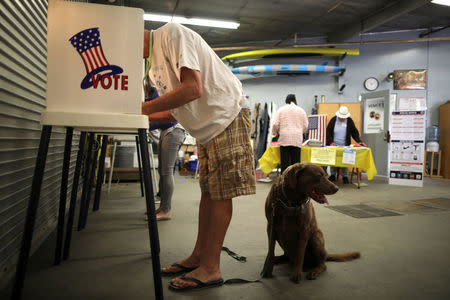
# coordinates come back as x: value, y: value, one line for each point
x: 292, y: 221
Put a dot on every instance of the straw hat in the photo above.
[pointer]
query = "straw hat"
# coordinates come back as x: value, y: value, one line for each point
x: 343, y: 112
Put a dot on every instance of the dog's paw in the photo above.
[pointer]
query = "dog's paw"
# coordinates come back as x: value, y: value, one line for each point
x: 296, y: 277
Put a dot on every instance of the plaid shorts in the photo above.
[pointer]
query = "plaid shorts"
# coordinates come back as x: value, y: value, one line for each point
x: 226, y: 162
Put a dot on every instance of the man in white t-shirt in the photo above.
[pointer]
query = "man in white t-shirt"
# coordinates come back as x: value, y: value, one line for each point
x: 200, y: 92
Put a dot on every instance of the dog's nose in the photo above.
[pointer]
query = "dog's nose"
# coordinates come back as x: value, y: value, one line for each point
x: 335, y: 188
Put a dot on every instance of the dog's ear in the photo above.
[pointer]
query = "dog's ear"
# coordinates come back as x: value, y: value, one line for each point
x: 293, y: 174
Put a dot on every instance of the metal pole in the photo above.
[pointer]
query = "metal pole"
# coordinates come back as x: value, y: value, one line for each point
x: 73, y: 197
x: 91, y: 183
x: 139, y: 165
x: 151, y: 223
x: 87, y: 164
x: 63, y: 195
x: 31, y: 212
x: 112, y: 166
x: 100, y: 174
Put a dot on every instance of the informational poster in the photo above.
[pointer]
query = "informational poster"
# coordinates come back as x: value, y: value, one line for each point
x: 323, y: 155
x: 408, y: 125
x: 412, y: 104
x: 374, y: 115
x: 407, y: 148
x: 349, y: 156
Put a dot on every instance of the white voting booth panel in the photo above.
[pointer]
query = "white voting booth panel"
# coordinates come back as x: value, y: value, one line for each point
x: 94, y: 58
x: 94, y: 83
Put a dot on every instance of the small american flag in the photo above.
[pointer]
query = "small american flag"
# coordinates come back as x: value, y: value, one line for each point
x: 317, y: 128
x: 88, y: 45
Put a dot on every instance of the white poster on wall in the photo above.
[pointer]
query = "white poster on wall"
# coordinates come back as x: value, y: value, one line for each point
x: 412, y: 104
x: 407, y: 148
x: 374, y: 115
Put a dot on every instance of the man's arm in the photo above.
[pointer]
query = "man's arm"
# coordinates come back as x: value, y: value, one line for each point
x: 161, y: 117
x: 305, y: 122
x: 190, y: 89
x: 276, y: 125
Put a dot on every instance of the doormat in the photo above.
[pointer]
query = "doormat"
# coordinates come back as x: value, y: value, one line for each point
x: 363, y: 211
x: 441, y: 203
x: 407, y: 207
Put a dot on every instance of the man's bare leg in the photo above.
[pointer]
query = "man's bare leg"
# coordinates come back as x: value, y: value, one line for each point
x: 213, y: 225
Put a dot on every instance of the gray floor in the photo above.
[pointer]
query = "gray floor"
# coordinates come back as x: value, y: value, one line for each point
x: 403, y: 257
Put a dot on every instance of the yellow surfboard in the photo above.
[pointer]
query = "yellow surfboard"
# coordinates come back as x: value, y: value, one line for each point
x: 290, y: 52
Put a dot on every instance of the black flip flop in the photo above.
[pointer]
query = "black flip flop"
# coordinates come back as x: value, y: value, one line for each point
x: 200, y: 285
x: 182, y: 268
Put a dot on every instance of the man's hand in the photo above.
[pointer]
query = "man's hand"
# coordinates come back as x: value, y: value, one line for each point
x: 161, y: 117
x: 363, y: 144
x: 333, y: 144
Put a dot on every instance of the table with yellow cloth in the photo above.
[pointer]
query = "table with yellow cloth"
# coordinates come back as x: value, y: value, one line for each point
x: 363, y: 160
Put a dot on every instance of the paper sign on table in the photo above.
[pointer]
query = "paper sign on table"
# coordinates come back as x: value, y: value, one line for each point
x: 349, y: 156
x: 325, y: 156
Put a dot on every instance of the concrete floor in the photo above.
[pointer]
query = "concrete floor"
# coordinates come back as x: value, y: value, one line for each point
x: 403, y: 257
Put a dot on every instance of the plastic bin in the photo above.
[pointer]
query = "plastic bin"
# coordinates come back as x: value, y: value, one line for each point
x: 193, y: 165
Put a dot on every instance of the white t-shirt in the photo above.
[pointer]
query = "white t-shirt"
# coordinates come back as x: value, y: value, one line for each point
x: 174, y: 47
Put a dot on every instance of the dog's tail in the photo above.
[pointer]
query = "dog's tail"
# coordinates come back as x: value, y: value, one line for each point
x: 343, y: 256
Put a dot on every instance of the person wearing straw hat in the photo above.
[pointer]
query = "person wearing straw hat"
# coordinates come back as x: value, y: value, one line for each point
x: 340, y: 130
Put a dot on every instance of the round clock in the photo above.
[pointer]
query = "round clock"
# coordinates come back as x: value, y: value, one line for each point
x: 371, y: 84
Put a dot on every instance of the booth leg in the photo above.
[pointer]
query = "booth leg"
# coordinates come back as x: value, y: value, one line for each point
x: 91, y: 183
x: 63, y: 195
x: 73, y: 196
x: 152, y: 226
x: 113, y: 157
x: 139, y: 165
x: 100, y: 174
x: 359, y: 179
x: 83, y: 199
x: 31, y: 212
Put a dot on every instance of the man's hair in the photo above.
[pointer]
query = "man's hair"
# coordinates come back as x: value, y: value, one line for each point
x: 291, y: 98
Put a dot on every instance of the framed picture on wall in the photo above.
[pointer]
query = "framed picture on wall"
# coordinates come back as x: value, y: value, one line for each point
x: 410, y: 79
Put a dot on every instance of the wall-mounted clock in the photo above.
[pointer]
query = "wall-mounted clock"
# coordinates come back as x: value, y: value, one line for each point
x: 371, y: 84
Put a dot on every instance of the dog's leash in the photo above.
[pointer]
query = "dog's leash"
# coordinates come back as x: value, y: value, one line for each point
x: 241, y: 259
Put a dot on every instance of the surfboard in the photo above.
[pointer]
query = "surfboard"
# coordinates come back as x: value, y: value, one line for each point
x: 290, y: 52
x: 286, y: 69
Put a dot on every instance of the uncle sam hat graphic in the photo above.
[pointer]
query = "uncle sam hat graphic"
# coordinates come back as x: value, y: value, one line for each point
x: 88, y: 45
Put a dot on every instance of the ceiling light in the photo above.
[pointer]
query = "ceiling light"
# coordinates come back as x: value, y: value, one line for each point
x: 191, y: 21
x: 441, y: 2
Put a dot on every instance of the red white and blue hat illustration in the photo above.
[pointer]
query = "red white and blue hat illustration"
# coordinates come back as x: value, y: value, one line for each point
x: 88, y: 45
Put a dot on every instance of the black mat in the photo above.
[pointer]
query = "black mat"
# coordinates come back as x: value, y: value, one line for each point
x: 363, y: 211
x: 441, y: 203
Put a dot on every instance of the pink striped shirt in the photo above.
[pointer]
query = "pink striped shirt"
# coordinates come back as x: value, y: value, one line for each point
x: 290, y: 123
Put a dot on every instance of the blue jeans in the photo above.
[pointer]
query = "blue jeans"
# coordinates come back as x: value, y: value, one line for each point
x: 170, y: 142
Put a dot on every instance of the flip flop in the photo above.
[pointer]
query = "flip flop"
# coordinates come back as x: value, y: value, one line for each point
x: 200, y: 285
x: 165, y: 218
x: 182, y: 271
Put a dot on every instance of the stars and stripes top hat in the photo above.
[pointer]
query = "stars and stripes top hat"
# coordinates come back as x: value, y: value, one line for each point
x: 88, y: 45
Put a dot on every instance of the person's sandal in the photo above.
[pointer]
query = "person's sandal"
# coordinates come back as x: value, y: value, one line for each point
x: 200, y: 284
x: 182, y: 270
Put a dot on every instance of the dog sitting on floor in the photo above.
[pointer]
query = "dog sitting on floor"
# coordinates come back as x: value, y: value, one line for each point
x: 291, y: 221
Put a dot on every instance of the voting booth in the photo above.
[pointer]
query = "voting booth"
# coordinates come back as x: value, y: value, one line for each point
x: 94, y: 85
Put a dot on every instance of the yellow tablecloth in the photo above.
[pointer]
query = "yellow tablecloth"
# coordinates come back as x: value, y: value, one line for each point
x: 363, y: 161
